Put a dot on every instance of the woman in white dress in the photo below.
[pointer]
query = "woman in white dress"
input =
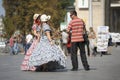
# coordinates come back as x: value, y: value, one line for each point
x: 92, y: 39
x: 47, y: 56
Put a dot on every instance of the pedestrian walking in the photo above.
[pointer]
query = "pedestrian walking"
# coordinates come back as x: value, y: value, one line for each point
x: 11, y: 44
x: 20, y: 42
x: 77, y: 41
x: 69, y: 43
x: 87, y: 43
x: 15, y: 47
x: 36, y: 29
x: 64, y: 41
x: 93, y: 43
x: 110, y: 44
x: 29, y: 39
x: 47, y: 56
x: 86, y: 39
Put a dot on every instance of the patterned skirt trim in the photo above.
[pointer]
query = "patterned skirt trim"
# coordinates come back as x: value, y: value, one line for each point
x: 48, y: 54
x: 25, y: 64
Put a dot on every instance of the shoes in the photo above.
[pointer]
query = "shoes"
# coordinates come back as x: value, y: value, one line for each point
x: 74, y: 69
x: 87, y: 69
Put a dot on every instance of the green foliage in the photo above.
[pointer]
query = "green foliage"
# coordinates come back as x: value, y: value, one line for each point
x: 19, y: 13
x: 8, y: 28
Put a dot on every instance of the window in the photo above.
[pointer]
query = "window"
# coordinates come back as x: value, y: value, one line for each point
x: 115, y: 1
x: 96, y: 0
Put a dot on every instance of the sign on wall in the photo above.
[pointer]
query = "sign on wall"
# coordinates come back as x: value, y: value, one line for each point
x: 83, y: 3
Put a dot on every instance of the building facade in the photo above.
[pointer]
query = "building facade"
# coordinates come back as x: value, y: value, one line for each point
x: 115, y: 15
x: 1, y: 29
x: 99, y: 13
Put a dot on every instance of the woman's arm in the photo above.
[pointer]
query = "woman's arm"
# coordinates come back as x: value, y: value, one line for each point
x: 36, y: 34
x: 49, y: 37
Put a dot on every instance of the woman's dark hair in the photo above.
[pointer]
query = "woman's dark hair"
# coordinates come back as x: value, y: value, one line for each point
x: 38, y: 20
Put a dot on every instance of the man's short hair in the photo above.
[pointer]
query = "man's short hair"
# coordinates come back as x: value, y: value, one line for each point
x: 73, y: 13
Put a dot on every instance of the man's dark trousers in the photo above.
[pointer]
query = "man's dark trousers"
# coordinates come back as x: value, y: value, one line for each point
x: 74, y: 48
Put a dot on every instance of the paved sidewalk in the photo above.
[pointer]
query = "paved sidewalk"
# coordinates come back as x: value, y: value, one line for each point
x: 106, y: 67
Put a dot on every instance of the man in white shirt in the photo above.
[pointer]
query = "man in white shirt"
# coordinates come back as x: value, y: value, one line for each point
x: 29, y: 39
x: 64, y: 41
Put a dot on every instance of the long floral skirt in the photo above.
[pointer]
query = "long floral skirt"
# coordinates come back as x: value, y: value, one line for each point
x: 50, y: 55
x: 25, y: 64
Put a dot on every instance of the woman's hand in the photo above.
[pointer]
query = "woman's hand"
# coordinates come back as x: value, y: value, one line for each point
x: 38, y: 37
x: 52, y: 42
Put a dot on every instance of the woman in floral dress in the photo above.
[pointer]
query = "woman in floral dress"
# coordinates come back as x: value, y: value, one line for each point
x: 36, y: 29
x: 47, y: 56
